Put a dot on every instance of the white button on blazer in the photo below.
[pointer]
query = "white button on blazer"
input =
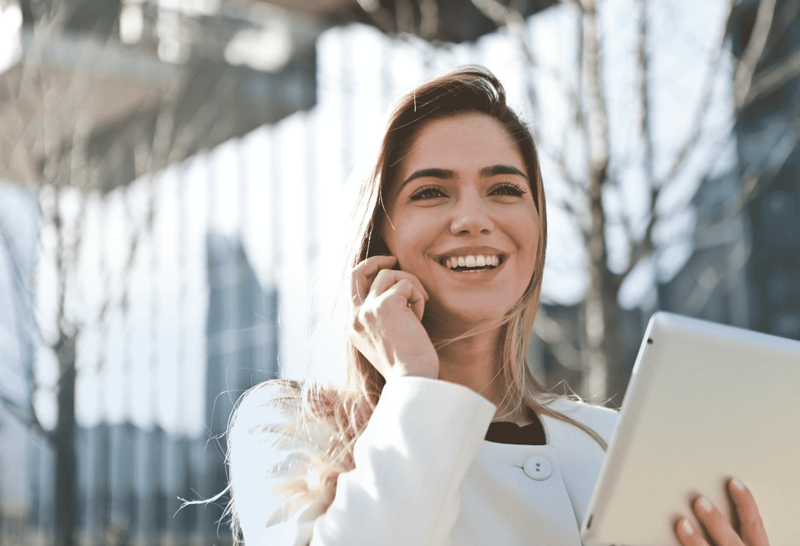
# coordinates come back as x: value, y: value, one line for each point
x: 424, y: 475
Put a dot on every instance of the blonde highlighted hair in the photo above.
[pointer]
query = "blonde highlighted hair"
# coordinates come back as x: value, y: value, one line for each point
x: 345, y: 411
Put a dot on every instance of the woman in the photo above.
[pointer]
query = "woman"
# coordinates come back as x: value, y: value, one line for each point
x: 442, y: 435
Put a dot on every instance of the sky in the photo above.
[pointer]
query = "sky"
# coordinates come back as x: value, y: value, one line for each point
x: 149, y: 366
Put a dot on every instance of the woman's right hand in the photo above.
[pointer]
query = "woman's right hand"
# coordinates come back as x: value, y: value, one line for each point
x: 751, y: 527
x: 386, y: 319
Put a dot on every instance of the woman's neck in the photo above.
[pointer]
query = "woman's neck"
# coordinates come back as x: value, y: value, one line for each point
x: 473, y: 362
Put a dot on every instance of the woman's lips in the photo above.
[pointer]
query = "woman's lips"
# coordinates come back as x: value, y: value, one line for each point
x: 477, y: 273
x: 472, y: 261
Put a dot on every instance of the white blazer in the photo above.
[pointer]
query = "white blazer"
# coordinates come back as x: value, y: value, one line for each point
x: 424, y: 475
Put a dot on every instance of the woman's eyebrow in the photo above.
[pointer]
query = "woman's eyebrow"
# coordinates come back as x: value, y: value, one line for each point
x: 495, y: 170
x: 444, y: 174
x: 448, y: 174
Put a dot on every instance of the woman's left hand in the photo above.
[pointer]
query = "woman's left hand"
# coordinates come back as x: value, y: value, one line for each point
x: 751, y: 528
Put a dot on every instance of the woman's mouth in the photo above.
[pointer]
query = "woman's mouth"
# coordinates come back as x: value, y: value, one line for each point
x: 477, y: 262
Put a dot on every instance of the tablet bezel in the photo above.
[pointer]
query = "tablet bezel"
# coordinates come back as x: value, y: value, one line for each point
x: 697, y: 381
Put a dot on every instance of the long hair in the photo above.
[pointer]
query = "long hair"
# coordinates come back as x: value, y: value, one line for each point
x: 345, y: 412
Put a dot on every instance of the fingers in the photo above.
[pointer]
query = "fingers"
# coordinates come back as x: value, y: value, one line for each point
x: 688, y: 534
x: 408, y: 294
x: 751, y: 526
x: 364, y: 274
x: 418, y: 307
x: 719, y: 530
x: 715, y: 523
x: 374, y: 276
x: 385, y: 325
x: 388, y: 277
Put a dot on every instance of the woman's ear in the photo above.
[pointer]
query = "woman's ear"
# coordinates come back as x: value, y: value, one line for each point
x: 377, y: 244
x: 383, y: 249
x: 378, y: 247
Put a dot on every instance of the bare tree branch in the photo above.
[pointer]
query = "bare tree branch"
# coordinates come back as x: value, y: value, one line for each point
x: 743, y: 77
x: 201, y: 123
x: 703, y: 104
x: 25, y: 415
x: 759, y: 178
x: 60, y: 263
x: 644, y: 246
x: 597, y: 135
x: 570, y: 209
x: 15, y: 264
x: 639, y: 250
x: 503, y: 16
x: 557, y: 339
x: 773, y: 77
x: 711, y: 278
x: 597, y: 118
x: 560, y: 160
x: 754, y: 181
x: 644, y: 91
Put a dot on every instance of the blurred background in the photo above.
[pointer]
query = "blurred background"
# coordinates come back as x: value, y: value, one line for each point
x: 175, y: 176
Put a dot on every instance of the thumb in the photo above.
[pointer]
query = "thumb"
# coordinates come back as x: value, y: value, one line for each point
x: 417, y: 303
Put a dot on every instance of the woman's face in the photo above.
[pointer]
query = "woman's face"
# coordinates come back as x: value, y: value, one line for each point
x: 462, y: 218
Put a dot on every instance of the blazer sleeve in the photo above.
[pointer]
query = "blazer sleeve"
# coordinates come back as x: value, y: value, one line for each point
x: 409, y: 465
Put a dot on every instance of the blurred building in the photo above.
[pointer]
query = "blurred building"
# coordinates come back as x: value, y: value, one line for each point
x: 242, y: 351
x: 769, y: 156
x: 556, y: 363
x: 18, y: 345
x: 213, y: 72
x: 130, y: 480
x: 133, y: 55
x: 746, y: 265
x: 713, y: 284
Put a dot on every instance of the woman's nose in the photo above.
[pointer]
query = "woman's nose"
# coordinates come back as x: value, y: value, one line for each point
x: 471, y: 216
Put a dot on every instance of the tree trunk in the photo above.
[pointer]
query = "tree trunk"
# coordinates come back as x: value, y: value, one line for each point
x: 64, y: 442
x: 602, y: 335
x: 613, y: 345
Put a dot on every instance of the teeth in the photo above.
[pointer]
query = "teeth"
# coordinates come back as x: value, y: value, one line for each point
x: 471, y: 261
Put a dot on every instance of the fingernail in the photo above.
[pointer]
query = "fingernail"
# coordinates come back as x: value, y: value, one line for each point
x: 704, y: 504
x: 687, y: 527
x: 738, y: 484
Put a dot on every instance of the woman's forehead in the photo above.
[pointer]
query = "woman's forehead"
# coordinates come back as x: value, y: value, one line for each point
x: 468, y: 143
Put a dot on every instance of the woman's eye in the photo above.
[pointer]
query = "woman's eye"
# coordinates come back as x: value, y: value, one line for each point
x: 427, y: 192
x: 509, y: 189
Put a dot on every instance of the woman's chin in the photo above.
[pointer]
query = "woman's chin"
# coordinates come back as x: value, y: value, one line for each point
x: 463, y: 317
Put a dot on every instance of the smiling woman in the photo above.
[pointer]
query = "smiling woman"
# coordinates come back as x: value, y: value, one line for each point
x: 441, y: 435
x: 464, y: 199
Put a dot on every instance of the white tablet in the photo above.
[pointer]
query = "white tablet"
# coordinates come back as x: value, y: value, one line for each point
x: 705, y: 402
